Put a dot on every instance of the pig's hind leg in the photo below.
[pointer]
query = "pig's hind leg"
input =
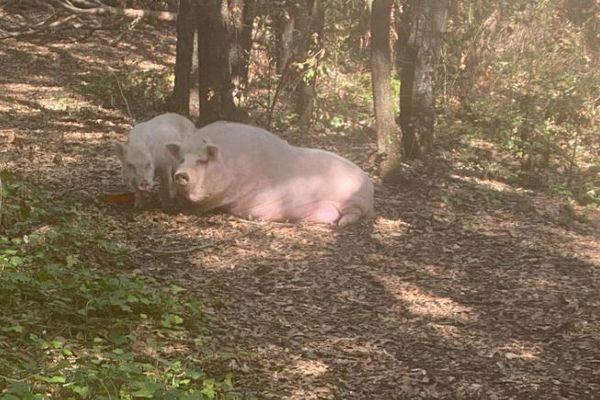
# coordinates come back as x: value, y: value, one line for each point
x: 350, y: 217
x: 324, y: 213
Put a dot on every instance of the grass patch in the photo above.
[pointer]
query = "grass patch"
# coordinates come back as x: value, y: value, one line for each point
x: 74, y: 324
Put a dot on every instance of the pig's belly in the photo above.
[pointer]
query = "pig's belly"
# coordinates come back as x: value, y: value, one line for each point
x: 314, y: 211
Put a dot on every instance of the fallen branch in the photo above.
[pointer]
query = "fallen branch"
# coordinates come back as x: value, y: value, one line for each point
x: 104, y: 9
x: 81, y: 14
x: 39, y: 27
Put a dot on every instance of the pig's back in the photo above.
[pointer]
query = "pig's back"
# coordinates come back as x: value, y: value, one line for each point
x: 154, y: 134
x: 248, y: 148
x: 328, y: 175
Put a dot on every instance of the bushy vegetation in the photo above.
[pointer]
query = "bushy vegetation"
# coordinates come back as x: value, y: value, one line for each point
x: 77, y: 322
x: 523, y: 75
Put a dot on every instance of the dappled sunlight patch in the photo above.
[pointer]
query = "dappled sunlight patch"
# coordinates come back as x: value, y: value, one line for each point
x: 480, y: 143
x: 25, y: 88
x: 309, y: 368
x: 60, y: 100
x: 94, y: 137
x: 7, y: 136
x: 390, y: 228
x: 515, y: 350
x: 491, y: 184
x: 425, y: 304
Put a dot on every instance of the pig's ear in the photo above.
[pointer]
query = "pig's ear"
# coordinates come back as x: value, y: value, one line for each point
x: 174, y: 149
x: 121, y: 150
x: 212, y: 151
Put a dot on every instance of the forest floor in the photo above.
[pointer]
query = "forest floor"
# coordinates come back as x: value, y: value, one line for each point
x: 461, y: 287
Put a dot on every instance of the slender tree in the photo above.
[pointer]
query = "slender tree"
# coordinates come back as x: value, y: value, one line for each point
x: 310, y: 51
x: 245, y: 32
x: 223, y: 30
x: 284, y: 24
x: 418, y: 57
x: 186, y: 29
x: 381, y: 69
x: 214, y: 64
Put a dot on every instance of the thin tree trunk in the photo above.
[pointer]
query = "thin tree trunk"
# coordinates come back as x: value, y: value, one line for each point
x: 418, y: 59
x: 284, y: 23
x: 186, y: 28
x: 204, y: 57
x: 214, y: 66
x: 224, y: 41
x: 381, y: 68
x: 312, y: 41
x: 246, y: 38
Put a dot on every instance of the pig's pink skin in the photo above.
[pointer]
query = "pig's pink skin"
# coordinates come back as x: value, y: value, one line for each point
x: 257, y: 175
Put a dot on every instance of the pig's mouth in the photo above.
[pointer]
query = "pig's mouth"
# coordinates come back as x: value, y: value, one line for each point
x: 197, y: 198
x: 144, y: 187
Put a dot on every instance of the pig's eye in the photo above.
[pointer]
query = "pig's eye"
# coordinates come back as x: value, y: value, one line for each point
x: 148, y: 166
x: 201, y: 161
x: 130, y: 166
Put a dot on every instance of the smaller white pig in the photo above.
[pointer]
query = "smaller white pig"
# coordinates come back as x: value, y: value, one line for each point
x: 145, y: 156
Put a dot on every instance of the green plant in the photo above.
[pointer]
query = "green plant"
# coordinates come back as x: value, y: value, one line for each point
x: 523, y: 75
x: 74, y: 324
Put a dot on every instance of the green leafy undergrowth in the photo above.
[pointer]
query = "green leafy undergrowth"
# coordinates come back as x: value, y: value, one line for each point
x: 74, y: 325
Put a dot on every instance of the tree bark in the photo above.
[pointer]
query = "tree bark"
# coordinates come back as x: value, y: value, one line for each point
x: 186, y: 28
x: 214, y: 64
x: 381, y: 69
x: 418, y: 58
x: 284, y: 23
x: 310, y: 50
x: 246, y: 39
x: 224, y: 42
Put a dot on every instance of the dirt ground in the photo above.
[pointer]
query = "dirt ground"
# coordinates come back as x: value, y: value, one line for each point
x: 461, y: 288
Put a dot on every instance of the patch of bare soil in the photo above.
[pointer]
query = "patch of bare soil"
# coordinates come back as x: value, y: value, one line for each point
x: 460, y: 288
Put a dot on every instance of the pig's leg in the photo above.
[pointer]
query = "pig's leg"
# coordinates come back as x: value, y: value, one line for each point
x: 350, y: 217
x: 325, y: 213
x: 167, y: 189
x: 138, y: 199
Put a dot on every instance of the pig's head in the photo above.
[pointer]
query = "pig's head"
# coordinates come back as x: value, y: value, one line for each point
x: 137, y: 167
x: 200, y: 175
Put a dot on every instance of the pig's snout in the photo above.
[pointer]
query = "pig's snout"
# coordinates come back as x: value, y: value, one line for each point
x: 144, y: 186
x: 182, y: 178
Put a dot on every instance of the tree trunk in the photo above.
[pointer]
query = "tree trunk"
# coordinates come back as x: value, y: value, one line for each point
x: 310, y: 50
x: 284, y: 23
x: 381, y: 68
x: 246, y: 39
x: 418, y: 59
x: 220, y: 57
x: 186, y: 28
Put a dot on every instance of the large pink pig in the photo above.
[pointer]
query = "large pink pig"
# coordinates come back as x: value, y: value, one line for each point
x: 251, y: 173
